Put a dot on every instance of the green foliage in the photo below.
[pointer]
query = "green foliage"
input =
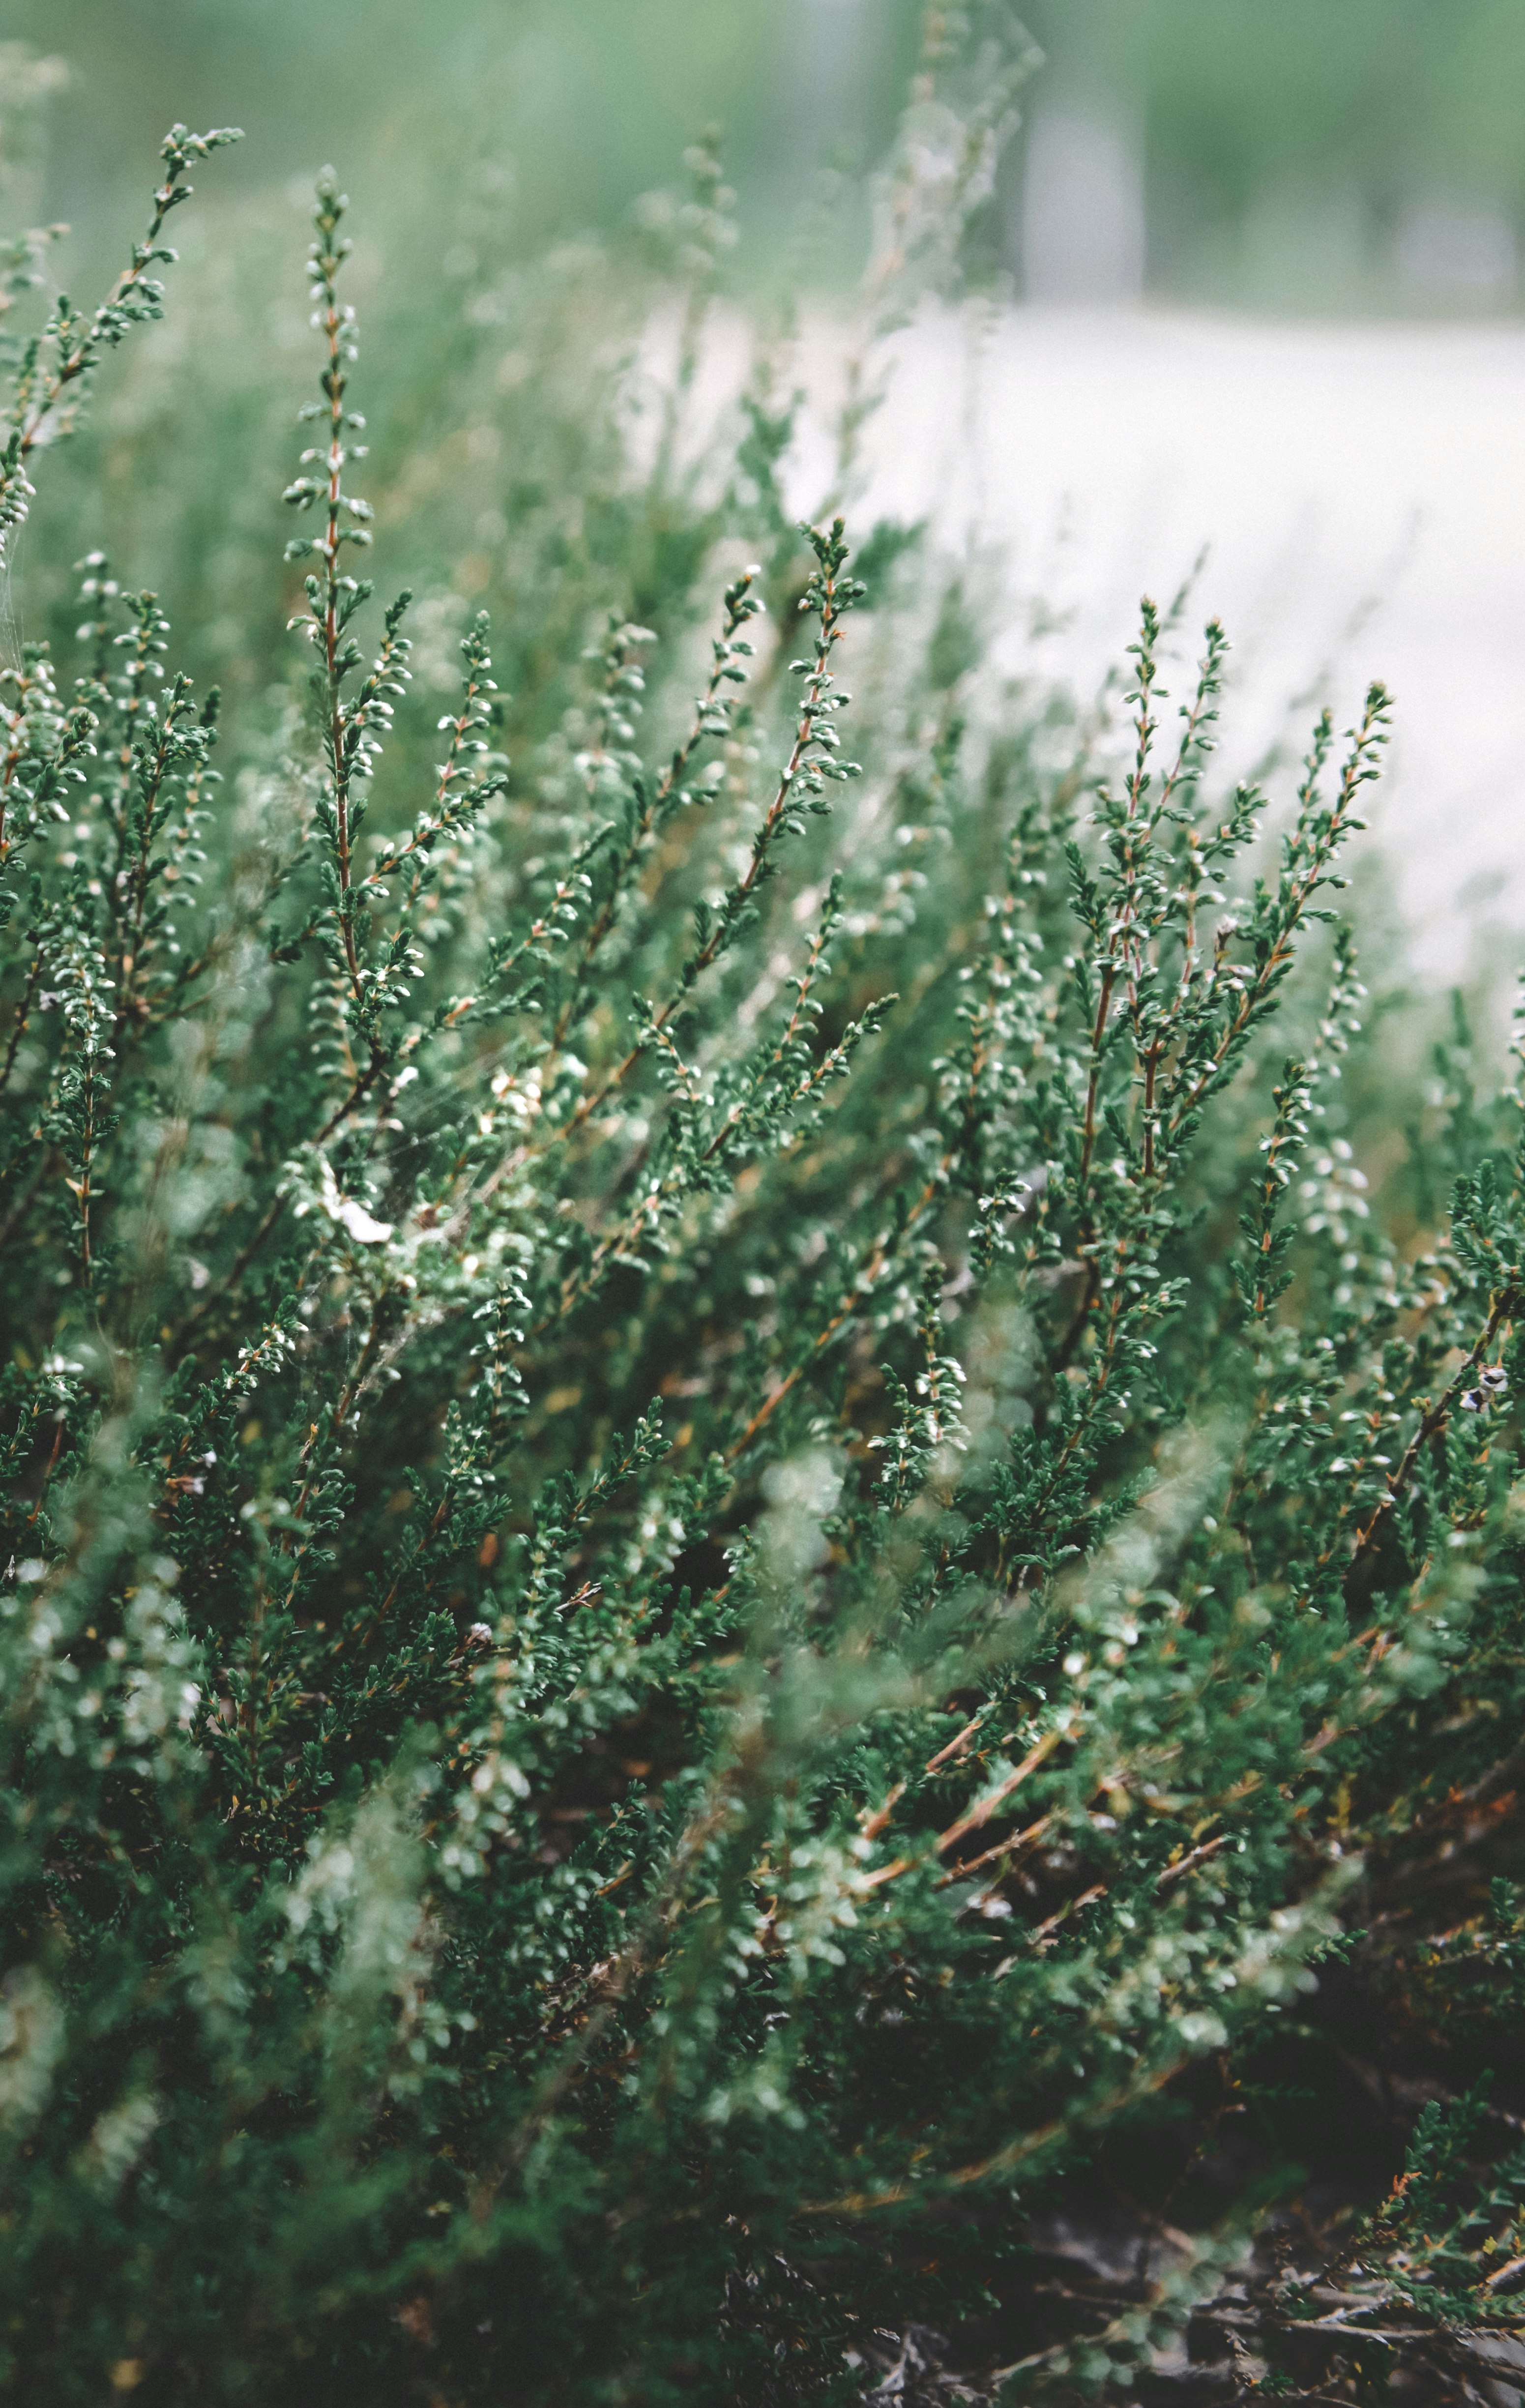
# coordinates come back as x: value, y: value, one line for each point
x: 725, y: 1519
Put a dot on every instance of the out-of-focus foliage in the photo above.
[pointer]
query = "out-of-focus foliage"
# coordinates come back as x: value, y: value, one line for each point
x: 1386, y: 92
x: 728, y: 1531
x: 1283, y: 148
x: 1363, y: 156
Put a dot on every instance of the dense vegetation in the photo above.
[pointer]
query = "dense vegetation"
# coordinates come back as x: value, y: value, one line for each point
x: 736, y: 1552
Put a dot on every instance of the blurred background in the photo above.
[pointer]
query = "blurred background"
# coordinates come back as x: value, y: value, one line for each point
x: 1362, y: 159
x: 1250, y: 279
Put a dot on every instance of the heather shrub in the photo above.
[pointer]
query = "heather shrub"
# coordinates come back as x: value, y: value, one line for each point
x: 733, y: 1532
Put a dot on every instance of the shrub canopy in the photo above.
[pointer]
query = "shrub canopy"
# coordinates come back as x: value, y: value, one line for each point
x: 730, y: 1534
